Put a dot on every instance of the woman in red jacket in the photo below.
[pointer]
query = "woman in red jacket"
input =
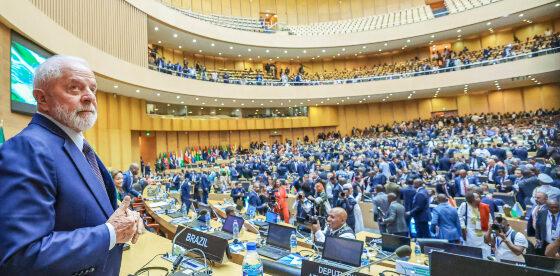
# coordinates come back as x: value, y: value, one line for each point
x: 475, y: 222
x: 282, y: 200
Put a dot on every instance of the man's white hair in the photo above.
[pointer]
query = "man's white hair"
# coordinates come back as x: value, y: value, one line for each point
x: 52, y: 69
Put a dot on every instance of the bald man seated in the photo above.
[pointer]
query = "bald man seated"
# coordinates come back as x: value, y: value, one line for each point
x: 336, y: 226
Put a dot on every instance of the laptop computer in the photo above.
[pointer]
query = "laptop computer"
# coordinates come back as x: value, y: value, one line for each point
x: 271, y: 217
x: 277, y: 241
x: 342, y: 252
x: 463, y: 250
x: 390, y: 243
x: 227, y: 227
x: 542, y: 262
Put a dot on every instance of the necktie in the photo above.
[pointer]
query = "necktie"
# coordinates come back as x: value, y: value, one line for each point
x: 90, y: 157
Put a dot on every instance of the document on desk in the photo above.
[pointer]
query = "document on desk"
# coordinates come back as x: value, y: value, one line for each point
x: 294, y: 260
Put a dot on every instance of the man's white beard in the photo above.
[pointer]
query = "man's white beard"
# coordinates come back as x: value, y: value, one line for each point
x: 73, y: 120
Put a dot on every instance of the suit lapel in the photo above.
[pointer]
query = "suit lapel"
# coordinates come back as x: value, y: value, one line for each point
x: 79, y: 161
x: 90, y: 179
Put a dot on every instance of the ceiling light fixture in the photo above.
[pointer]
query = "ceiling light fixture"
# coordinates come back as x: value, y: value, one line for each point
x: 156, y: 28
x: 175, y: 35
x: 194, y: 41
x: 212, y: 44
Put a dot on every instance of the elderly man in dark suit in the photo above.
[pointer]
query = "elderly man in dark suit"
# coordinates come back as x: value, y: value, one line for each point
x: 547, y: 228
x: 63, y: 217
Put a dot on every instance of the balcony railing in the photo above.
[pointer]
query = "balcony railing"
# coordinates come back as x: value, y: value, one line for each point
x: 367, y: 79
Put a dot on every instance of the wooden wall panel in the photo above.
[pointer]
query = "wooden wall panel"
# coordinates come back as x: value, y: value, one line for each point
x: 399, y: 113
x: 479, y: 103
x: 496, y: 102
x: 121, y: 33
x: 387, y: 115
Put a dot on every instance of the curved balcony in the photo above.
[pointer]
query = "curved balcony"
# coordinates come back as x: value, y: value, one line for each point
x: 472, y: 20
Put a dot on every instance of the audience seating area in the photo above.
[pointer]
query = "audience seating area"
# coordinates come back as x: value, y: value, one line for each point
x: 445, y: 61
x: 455, y: 6
x: 369, y: 23
x: 239, y: 23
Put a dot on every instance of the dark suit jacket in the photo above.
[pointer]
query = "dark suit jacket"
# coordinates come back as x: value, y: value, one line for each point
x: 55, y: 223
x: 407, y: 196
x: 421, y: 206
x: 540, y: 229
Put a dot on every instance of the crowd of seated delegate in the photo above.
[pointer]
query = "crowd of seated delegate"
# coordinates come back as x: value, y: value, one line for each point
x: 414, y: 173
x: 448, y: 60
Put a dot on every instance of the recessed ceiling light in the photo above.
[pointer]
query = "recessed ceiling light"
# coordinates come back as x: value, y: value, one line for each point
x: 212, y: 44
x: 459, y: 30
x: 180, y: 46
x: 521, y: 15
x: 343, y: 49
x: 249, y: 50
x: 355, y: 54
x: 285, y: 51
x: 175, y: 35
x: 204, y: 103
x: 304, y: 51
x: 408, y: 41
x: 385, y: 44
x: 196, y: 99
x: 250, y: 58
x: 338, y: 54
x: 159, y: 41
x: 431, y: 41
x: 115, y: 86
x: 242, y: 104
x: 239, y: 55
x: 488, y: 23
x: 557, y: 5
x: 231, y: 47
x: 200, y: 51
x: 156, y: 28
x: 277, y: 57
x: 379, y: 50
x: 252, y: 101
x: 215, y: 100
x: 194, y: 41
x: 178, y: 97
x: 323, y: 50
x: 182, y: 102
x: 158, y: 94
x: 220, y: 54
x: 137, y: 90
x: 363, y: 47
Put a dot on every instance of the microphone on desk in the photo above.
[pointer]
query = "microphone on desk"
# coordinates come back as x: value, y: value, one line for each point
x: 401, y: 252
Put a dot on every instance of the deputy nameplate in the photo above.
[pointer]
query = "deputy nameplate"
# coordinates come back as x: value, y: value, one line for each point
x: 317, y: 269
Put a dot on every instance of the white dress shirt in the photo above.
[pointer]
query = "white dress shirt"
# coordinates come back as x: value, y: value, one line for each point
x: 78, y: 139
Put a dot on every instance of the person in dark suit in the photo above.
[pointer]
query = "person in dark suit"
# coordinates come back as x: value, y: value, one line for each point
x: 420, y: 209
x: 547, y: 227
x: 186, y: 194
x: 444, y: 163
x: 442, y: 187
x: 129, y: 179
x: 531, y: 216
x: 462, y: 183
x: 63, y: 217
x: 526, y: 187
x: 407, y: 195
x: 476, y: 162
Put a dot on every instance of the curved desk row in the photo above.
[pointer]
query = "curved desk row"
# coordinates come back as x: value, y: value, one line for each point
x: 236, y: 259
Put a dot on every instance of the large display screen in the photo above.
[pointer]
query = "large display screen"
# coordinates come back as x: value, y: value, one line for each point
x: 25, y: 57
